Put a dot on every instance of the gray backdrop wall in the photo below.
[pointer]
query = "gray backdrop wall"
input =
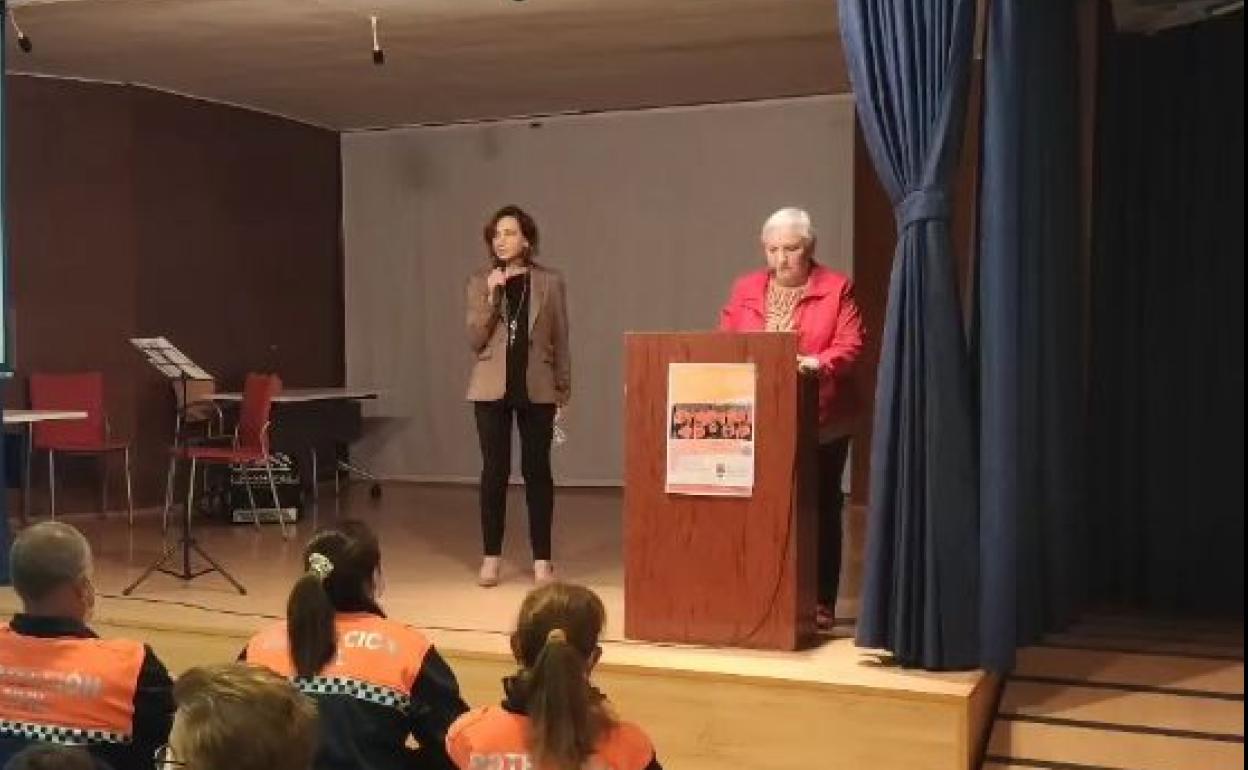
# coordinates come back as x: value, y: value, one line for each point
x: 649, y: 214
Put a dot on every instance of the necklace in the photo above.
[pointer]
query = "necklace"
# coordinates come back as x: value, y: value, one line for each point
x: 511, y: 316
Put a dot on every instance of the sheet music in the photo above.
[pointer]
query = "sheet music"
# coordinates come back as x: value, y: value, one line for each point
x: 168, y: 360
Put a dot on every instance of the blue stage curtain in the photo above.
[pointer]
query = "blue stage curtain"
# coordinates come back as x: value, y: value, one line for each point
x: 1028, y: 328
x: 909, y: 62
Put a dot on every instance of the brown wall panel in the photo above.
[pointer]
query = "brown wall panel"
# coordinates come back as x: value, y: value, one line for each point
x: 135, y: 212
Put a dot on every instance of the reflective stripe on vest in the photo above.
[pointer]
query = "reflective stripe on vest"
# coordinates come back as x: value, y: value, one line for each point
x: 493, y: 738
x: 378, y: 660
x: 68, y: 690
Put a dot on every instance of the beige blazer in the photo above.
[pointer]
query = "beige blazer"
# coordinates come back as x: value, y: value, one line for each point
x: 550, y: 365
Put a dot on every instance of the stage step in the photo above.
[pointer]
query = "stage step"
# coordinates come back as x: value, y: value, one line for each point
x: 1066, y: 745
x: 1187, y: 631
x: 1127, y: 709
x: 1163, y: 672
x: 1072, y: 708
x: 1113, y: 642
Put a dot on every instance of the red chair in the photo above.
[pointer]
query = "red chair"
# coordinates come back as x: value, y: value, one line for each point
x: 250, y: 445
x: 81, y: 392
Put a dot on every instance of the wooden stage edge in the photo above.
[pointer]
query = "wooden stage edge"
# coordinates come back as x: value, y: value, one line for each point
x: 832, y: 706
x: 724, y: 709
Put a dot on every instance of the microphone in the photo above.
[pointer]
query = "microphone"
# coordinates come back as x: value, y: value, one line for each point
x: 497, y: 290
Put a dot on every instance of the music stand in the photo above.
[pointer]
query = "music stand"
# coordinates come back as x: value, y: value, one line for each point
x: 172, y: 363
x: 169, y: 361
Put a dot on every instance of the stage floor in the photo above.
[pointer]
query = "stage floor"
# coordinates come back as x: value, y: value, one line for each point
x: 430, y: 554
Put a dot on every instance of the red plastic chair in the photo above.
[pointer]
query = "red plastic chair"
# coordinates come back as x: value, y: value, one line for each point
x: 79, y: 392
x: 250, y: 446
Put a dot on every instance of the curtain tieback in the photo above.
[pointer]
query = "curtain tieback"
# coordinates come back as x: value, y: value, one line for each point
x: 920, y: 205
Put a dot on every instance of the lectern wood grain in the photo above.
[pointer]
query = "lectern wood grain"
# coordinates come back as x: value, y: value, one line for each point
x: 719, y: 570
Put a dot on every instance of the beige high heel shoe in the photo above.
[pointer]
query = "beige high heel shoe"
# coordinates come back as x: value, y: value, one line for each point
x: 490, y: 568
x: 543, y: 572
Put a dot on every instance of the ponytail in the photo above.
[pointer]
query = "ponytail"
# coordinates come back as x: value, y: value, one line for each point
x: 310, y: 615
x: 342, y: 564
x: 555, y: 642
x: 561, y: 706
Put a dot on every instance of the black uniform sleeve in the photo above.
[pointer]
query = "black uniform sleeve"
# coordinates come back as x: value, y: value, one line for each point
x: 436, y: 703
x: 153, y: 708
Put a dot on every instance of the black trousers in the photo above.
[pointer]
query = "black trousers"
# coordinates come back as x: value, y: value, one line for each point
x: 832, y: 457
x: 536, y: 424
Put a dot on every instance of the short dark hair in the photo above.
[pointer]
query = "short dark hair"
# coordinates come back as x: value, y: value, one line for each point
x: 528, y: 228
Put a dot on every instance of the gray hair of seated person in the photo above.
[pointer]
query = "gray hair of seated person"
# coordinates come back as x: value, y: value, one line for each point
x: 47, y: 556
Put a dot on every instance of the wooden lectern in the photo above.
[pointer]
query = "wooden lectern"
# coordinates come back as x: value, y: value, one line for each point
x: 730, y: 571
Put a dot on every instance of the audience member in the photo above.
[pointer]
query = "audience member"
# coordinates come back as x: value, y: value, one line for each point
x: 552, y: 717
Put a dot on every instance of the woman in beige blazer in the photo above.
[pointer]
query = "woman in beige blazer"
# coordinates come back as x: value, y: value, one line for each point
x: 518, y: 329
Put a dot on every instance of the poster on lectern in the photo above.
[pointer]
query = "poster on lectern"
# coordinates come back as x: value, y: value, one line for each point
x: 710, y: 429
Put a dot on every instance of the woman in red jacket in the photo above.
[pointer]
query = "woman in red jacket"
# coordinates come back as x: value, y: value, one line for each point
x: 795, y: 293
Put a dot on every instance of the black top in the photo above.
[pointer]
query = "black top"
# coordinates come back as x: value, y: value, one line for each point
x: 517, y: 299
x: 153, y: 699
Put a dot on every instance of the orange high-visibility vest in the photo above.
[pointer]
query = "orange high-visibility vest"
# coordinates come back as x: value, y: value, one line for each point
x: 68, y: 690
x: 493, y: 738
x: 378, y: 659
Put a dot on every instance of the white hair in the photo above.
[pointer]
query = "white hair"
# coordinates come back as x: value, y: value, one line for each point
x: 791, y: 218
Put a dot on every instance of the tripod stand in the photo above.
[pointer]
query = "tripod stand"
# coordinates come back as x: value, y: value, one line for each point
x: 186, y: 544
x: 172, y: 363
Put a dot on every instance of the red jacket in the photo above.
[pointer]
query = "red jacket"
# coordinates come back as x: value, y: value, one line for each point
x: 829, y: 327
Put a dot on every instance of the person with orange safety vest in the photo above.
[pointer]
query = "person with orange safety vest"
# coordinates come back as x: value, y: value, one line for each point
x: 59, y: 682
x: 552, y: 717
x: 379, y: 684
